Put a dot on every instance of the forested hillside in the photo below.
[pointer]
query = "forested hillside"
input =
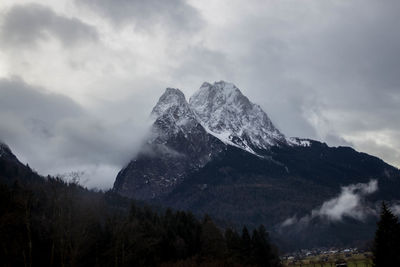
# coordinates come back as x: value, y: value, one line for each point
x: 49, y: 222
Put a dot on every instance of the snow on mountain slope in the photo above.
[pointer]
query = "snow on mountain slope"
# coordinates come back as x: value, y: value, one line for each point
x: 173, y: 115
x: 177, y: 146
x: 229, y: 115
x: 295, y: 141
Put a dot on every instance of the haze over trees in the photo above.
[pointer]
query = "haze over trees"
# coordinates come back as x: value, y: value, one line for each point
x: 49, y: 222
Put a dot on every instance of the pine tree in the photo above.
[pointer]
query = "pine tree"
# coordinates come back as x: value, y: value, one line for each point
x: 263, y: 254
x: 213, y: 245
x: 387, y: 239
x: 233, y: 243
x: 245, y: 245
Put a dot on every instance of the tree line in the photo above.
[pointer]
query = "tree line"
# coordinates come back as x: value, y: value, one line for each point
x: 50, y: 222
x: 386, y: 246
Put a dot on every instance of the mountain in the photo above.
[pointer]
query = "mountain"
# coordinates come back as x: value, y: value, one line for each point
x: 220, y: 154
x: 186, y: 136
x: 178, y: 145
x: 11, y: 169
x: 5, y: 152
x: 51, y: 222
x: 226, y: 113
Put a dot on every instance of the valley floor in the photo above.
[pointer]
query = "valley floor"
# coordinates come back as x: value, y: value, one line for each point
x: 331, y: 260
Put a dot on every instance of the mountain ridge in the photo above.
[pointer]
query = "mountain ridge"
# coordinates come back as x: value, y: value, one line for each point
x: 220, y: 154
x: 183, y: 139
x: 226, y: 113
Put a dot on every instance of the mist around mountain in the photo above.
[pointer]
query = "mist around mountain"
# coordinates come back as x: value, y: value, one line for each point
x: 220, y: 154
x: 45, y: 221
x: 217, y: 154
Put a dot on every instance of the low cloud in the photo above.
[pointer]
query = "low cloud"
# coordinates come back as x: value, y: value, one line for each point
x: 26, y: 25
x: 395, y: 208
x: 350, y: 203
x: 55, y: 135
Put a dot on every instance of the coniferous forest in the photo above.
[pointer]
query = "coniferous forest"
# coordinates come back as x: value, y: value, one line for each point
x: 386, y: 245
x: 49, y: 222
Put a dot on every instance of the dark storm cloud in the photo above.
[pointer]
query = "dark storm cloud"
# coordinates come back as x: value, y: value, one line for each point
x: 29, y: 118
x: 25, y: 25
x: 26, y: 101
x: 332, y: 66
x: 352, y: 62
x: 173, y: 15
x: 327, y: 70
x: 364, y: 46
x: 52, y: 132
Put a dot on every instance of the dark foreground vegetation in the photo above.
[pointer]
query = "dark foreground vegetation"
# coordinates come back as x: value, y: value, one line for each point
x: 386, y: 247
x: 48, y: 222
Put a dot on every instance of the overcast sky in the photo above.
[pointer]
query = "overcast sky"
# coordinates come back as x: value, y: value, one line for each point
x: 78, y: 78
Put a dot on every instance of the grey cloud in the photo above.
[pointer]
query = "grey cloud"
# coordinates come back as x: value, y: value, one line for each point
x: 335, y: 140
x: 199, y: 65
x: 56, y: 135
x: 175, y: 15
x: 354, y: 60
x: 26, y: 25
x: 395, y: 208
x: 324, y: 69
x: 364, y: 47
x: 30, y: 103
x: 388, y: 148
x: 350, y: 203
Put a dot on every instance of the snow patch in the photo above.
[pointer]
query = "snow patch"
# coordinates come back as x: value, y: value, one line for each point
x: 229, y: 115
x: 294, y: 141
x: 226, y: 138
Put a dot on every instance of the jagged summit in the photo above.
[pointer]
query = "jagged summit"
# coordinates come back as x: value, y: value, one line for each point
x: 230, y: 116
x: 177, y: 146
x: 222, y: 111
x: 172, y: 115
x: 170, y: 101
x: 186, y: 136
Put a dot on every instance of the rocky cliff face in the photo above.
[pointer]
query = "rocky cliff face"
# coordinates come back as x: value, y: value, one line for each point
x: 230, y: 116
x: 12, y: 170
x: 178, y: 145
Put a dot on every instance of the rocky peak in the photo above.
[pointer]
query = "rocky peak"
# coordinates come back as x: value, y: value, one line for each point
x: 4, y: 150
x: 229, y: 115
x: 171, y: 101
x: 172, y: 115
x: 177, y: 146
x: 7, y: 155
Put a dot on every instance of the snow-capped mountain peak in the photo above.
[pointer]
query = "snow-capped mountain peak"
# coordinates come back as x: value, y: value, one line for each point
x: 170, y: 101
x: 219, y: 109
x: 172, y: 115
x: 230, y: 116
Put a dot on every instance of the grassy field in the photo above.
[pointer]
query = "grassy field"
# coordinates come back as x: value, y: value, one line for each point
x: 353, y: 260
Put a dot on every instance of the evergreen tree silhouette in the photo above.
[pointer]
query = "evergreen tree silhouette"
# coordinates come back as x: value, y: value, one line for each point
x: 386, y: 247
